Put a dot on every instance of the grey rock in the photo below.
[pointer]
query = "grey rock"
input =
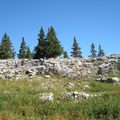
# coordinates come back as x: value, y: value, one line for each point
x: 78, y: 95
x: 47, y: 76
x: 9, y: 76
x: 86, y: 87
x: 2, y: 77
x: 46, y: 96
x: 113, y: 80
x: 100, y: 78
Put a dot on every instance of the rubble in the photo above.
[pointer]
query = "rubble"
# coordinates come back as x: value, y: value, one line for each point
x: 73, y: 68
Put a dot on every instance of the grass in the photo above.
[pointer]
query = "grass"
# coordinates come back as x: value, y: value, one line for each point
x: 19, y: 100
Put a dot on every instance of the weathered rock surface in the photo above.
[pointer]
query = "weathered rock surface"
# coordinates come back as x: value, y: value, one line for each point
x: 86, y: 87
x: 78, y: 95
x: 74, y: 68
x: 46, y: 96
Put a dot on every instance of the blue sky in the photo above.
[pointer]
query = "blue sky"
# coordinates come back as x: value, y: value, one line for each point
x: 96, y: 21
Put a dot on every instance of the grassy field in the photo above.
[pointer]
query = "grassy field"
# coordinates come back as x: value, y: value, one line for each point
x: 19, y: 100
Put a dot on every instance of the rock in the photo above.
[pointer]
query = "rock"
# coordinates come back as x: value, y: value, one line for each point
x: 100, y: 78
x: 77, y: 95
x: 46, y: 96
x: 9, y: 76
x: 85, y: 95
x: 42, y: 69
x: 116, y: 80
x: 67, y: 95
x: 86, y: 87
x: 100, y: 71
x: 32, y: 72
x: 113, y: 80
x: 73, y: 68
x: 2, y: 77
x: 47, y: 76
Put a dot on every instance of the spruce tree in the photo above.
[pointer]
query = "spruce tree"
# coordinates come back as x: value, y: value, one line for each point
x: 54, y: 47
x: 22, y: 51
x: 28, y: 53
x: 93, y: 51
x: 100, y: 52
x: 6, y: 49
x: 76, y: 50
x: 65, y: 55
x: 40, y: 49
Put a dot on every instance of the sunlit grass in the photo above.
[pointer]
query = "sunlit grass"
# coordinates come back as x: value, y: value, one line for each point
x: 19, y: 100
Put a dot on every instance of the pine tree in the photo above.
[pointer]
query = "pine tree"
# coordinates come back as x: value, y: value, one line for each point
x: 100, y: 52
x: 6, y: 49
x: 22, y: 51
x: 65, y: 55
x: 76, y: 50
x: 93, y: 51
x: 28, y: 53
x: 40, y: 49
x: 54, y: 47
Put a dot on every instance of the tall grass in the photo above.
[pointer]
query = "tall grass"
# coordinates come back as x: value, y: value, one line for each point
x: 19, y: 100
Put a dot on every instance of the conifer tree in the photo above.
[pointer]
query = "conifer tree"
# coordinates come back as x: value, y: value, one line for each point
x: 40, y: 49
x: 54, y: 47
x: 28, y: 53
x: 100, y: 52
x: 93, y: 51
x: 22, y: 51
x: 76, y: 50
x: 6, y: 49
x: 65, y: 55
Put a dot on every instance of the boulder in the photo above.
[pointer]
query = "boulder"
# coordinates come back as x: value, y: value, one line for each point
x: 113, y: 80
x: 86, y: 87
x: 77, y: 95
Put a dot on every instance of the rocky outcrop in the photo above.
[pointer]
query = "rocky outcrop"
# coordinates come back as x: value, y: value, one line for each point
x: 73, y: 68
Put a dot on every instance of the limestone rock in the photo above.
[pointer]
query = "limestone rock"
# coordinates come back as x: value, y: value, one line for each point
x: 78, y: 95
x: 113, y: 80
x: 86, y: 87
x: 2, y: 77
x: 47, y: 76
x: 9, y: 76
x: 46, y: 96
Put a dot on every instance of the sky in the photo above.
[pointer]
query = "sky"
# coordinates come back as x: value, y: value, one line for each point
x: 96, y: 21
